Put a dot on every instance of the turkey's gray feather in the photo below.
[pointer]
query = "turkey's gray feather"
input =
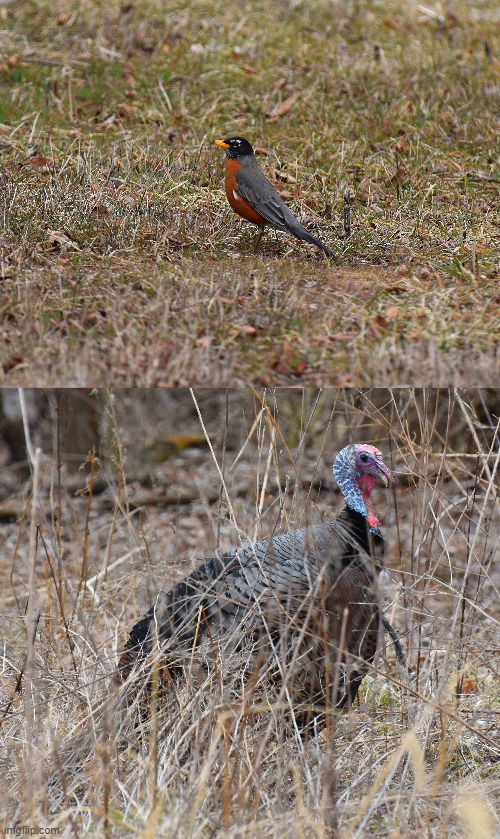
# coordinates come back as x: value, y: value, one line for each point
x: 290, y: 592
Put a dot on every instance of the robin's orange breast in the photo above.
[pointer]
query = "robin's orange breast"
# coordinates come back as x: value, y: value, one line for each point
x: 238, y: 204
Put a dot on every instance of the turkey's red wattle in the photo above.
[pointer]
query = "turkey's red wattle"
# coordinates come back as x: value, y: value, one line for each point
x: 366, y: 483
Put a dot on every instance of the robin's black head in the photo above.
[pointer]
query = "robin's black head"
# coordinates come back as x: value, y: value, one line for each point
x: 235, y: 147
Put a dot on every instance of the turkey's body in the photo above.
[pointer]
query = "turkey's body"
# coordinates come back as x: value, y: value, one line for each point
x: 304, y: 602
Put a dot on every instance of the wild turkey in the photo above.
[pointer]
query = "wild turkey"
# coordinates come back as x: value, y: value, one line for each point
x: 304, y: 601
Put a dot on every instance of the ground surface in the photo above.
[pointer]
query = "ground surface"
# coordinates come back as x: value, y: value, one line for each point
x: 119, y: 259
x: 420, y: 762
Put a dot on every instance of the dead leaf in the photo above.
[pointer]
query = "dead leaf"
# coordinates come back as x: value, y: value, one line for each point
x: 93, y: 317
x: 205, y: 341
x: 280, y: 175
x: 401, y: 174
x: 342, y: 337
x: 401, y: 270
x: 393, y: 23
x: 280, y: 367
x: 264, y: 380
x: 451, y: 20
x: 287, y: 351
x: 345, y: 381
x: 38, y: 160
x: 248, y: 330
x: 61, y: 241
x: 102, y: 209
x: 108, y: 121
x: 392, y: 312
x: 282, y: 108
x: 13, y: 363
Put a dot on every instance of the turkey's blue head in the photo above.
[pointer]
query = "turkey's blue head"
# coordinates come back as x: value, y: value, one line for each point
x: 356, y: 468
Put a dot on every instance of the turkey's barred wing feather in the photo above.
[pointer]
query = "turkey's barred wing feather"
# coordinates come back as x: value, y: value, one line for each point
x: 283, y: 582
x: 223, y: 589
x: 177, y: 613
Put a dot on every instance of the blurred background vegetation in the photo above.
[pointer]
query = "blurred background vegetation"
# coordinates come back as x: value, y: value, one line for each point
x: 155, y: 424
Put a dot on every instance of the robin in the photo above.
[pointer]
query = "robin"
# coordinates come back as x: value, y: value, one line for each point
x: 252, y: 196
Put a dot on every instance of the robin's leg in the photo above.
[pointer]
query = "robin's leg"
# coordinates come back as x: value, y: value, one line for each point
x: 258, y: 238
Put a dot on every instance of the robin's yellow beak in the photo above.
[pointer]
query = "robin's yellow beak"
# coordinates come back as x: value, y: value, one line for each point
x: 222, y: 144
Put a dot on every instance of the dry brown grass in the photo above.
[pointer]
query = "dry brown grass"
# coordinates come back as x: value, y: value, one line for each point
x: 418, y: 757
x: 120, y: 261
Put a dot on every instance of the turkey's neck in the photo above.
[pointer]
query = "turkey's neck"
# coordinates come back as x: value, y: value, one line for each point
x: 357, y: 489
x: 370, y: 539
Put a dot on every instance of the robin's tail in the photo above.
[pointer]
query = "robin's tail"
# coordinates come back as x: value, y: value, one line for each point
x: 301, y: 233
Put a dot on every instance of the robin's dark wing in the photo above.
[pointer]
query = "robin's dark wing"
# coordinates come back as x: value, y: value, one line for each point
x: 253, y: 186
x: 256, y: 190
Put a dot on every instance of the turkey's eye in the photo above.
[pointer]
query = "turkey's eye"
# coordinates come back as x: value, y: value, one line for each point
x: 364, y: 457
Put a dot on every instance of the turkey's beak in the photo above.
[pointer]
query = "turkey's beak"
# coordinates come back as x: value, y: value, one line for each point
x: 222, y: 144
x: 384, y: 474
